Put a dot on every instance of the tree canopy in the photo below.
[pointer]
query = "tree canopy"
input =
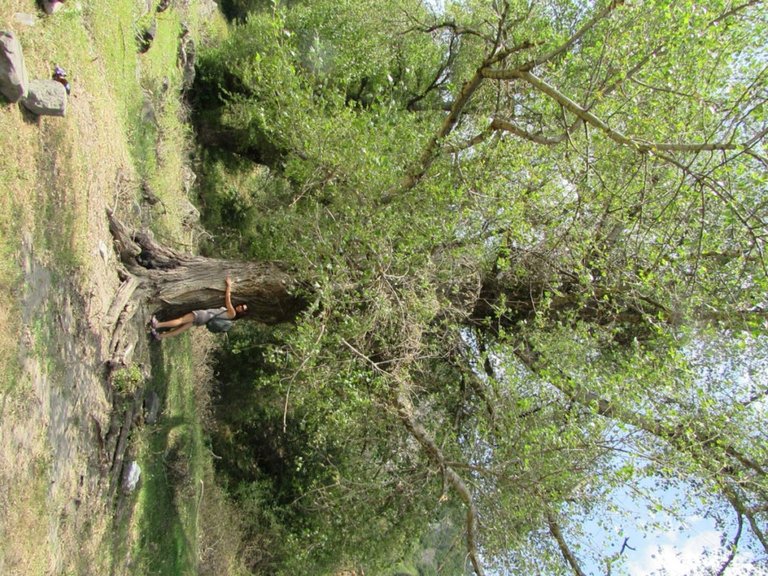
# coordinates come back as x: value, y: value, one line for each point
x: 526, y: 242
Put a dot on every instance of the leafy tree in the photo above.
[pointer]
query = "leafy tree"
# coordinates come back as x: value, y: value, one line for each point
x: 523, y: 249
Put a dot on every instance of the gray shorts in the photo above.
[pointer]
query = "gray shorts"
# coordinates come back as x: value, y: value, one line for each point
x: 203, y: 316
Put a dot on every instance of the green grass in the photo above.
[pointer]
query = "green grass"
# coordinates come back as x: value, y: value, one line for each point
x: 50, y: 174
x: 111, y: 27
x: 172, y: 457
x: 114, y: 29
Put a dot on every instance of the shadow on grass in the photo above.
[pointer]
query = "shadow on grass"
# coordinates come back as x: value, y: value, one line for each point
x: 162, y: 542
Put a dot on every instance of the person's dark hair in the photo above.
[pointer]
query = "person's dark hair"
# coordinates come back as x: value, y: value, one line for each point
x: 240, y: 310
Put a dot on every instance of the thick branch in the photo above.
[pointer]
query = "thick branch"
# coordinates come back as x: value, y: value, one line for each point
x: 742, y: 510
x: 430, y: 151
x: 672, y: 434
x: 733, y: 546
x: 498, y: 124
x: 440, y: 77
x: 432, y: 148
x: 690, y: 440
x: 474, y: 141
x: 455, y: 29
x: 733, y: 11
x: 405, y: 412
x: 557, y: 534
x: 593, y: 120
x: 539, y: 138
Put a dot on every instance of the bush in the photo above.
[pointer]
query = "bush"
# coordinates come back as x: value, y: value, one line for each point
x: 220, y: 536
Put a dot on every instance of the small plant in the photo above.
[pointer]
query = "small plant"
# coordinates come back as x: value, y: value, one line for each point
x: 126, y: 380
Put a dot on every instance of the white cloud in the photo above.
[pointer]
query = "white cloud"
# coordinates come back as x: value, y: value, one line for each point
x: 677, y: 556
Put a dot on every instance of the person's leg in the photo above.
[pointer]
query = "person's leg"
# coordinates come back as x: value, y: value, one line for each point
x: 174, y: 323
x: 173, y: 331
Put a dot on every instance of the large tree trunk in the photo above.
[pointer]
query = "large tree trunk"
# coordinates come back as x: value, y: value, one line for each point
x: 505, y: 301
x: 177, y: 283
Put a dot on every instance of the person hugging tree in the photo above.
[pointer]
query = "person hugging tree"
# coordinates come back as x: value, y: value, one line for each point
x: 214, y: 319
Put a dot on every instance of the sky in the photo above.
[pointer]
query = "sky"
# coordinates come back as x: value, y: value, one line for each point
x: 693, y: 546
x: 676, y: 554
x: 664, y: 546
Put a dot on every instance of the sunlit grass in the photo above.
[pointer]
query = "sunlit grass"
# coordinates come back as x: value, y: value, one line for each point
x: 22, y: 507
x: 125, y: 125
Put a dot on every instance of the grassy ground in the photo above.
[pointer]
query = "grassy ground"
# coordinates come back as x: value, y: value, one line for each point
x: 164, y: 525
x: 124, y: 129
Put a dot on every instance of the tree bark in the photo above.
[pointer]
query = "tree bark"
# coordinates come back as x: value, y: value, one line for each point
x: 177, y: 283
x: 435, y: 454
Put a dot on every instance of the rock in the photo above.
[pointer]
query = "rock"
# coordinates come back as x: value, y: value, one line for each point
x: 24, y: 18
x: 207, y: 8
x: 188, y: 179
x: 146, y: 37
x: 131, y: 477
x: 190, y: 215
x: 14, y: 83
x: 148, y: 114
x: 52, y: 6
x: 151, y: 407
x: 46, y: 98
x: 148, y: 194
x: 187, y: 58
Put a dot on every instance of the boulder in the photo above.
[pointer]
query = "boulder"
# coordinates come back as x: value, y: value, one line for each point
x: 25, y: 18
x: 151, y: 407
x: 52, y: 6
x: 187, y: 60
x: 146, y: 37
x: 207, y: 8
x: 46, y: 98
x: 190, y: 215
x: 13, y: 74
x: 131, y: 476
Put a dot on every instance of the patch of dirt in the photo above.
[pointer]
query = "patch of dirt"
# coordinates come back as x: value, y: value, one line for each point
x: 72, y: 402
x: 66, y: 416
x: 60, y: 425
